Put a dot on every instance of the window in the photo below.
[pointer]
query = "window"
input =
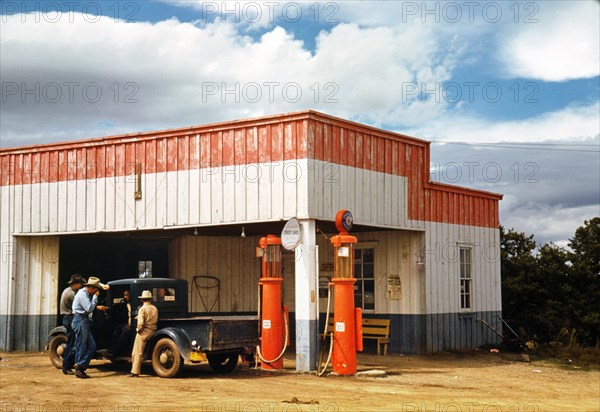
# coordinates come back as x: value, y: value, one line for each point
x: 466, y: 287
x: 163, y: 295
x: 364, y: 272
x: 145, y: 269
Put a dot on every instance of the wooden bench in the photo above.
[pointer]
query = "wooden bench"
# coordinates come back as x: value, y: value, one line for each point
x: 376, y: 329
x: 379, y: 330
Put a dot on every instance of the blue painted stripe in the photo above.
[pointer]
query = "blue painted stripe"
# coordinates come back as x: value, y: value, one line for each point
x: 410, y: 334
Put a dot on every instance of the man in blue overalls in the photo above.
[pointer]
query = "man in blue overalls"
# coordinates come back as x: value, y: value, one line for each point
x: 86, y: 300
x: 66, y: 310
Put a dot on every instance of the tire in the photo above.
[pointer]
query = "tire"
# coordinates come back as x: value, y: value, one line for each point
x: 55, y: 349
x: 166, y: 359
x: 224, y: 362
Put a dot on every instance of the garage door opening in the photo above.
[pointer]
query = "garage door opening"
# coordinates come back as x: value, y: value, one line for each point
x: 112, y: 258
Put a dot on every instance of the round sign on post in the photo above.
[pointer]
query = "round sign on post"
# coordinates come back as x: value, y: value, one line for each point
x: 344, y: 221
x: 290, y: 235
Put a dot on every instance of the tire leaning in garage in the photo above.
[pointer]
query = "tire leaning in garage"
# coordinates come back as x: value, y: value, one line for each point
x: 224, y: 362
x: 56, y: 348
x: 166, y: 359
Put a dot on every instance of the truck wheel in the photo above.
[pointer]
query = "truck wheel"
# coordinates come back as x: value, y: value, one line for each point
x: 166, y: 359
x: 56, y: 349
x: 223, y: 363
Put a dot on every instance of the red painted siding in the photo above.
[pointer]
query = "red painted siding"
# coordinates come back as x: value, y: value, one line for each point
x: 269, y: 139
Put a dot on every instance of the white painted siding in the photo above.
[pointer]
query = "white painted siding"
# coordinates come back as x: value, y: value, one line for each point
x: 376, y: 199
x: 442, y: 282
x: 209, y: 196
x: 8, y: 248
x: 232, y: 260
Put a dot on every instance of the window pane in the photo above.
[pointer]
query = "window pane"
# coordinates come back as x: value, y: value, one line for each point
x: 163, y: 295
x: 368, y: 255
x: 364, y: 272
x: 358, y: 300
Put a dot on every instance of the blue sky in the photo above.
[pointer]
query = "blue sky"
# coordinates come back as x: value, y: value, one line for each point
x: 524, y: 72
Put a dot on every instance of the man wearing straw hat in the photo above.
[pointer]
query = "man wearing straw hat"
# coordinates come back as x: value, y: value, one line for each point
x: 66, y: 310
x: 86, y: 300
x: 147, y: 318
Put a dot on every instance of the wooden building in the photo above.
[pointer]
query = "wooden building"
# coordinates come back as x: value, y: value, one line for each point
x: 175, y: 203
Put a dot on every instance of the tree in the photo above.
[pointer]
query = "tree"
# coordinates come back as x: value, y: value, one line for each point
x: 554, y: 289
x: 555, y: 312
x: 586, y: 247
x: 520, y: 297
x: 585, y: 280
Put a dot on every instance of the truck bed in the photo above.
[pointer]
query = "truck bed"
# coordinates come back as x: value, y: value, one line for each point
x: 216, y: 333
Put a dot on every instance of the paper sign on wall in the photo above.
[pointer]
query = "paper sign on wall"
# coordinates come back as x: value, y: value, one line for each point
x: 394, y: 287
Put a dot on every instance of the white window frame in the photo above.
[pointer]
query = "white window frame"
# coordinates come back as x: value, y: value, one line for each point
x: 360, y: 281
x: 465, y: 279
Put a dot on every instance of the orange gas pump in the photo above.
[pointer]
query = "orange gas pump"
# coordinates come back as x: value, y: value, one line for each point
x: 273, y: 317
x: 347, y: 320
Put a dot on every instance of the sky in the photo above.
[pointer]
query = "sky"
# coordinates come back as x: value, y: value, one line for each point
x: 508, y: 92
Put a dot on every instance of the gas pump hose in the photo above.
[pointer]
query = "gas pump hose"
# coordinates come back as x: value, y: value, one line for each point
x: 285, y: 345
x: 320, y: 373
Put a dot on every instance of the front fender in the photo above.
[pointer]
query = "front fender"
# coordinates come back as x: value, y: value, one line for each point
x: 57, y: 330
x: 180, y: 337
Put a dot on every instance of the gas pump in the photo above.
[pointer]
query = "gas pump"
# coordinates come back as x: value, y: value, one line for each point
x: 272, y: 315
x: 347, y: 320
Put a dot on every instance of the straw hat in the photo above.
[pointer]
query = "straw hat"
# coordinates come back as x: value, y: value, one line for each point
x: 95, y: 282
x: 146, y: 295
x: 77, y: 279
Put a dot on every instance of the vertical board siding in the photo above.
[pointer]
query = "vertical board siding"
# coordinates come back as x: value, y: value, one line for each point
x: 305, y: 165
x: 396, y: 255
x: 360, y: 166
x: 235, y: 174
x: 229, y: 259
x: 32, y: 304
x: 449, y: 327
x: 374, y: 198
x: 232, y: 260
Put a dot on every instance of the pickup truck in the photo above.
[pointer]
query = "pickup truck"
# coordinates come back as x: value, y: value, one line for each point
x: 181, y: 336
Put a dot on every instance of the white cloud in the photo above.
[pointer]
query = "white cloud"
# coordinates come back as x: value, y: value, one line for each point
x: 569, y: 123
x: 178, y: 74
x: 564, y: 44
x: 182, y: 74
x: 549, y: 188
x: 550, y: 40
x: 548, y: 223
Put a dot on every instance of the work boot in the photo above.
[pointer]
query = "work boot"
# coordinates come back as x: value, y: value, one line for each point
x: 133, y: 375
x: 81, y: 374
x: 68, y: 371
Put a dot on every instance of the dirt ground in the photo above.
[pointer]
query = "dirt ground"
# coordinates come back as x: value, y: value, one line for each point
x: 474, y: 381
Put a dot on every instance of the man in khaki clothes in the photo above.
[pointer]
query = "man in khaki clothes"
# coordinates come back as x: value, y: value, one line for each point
x: 147, y: 318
